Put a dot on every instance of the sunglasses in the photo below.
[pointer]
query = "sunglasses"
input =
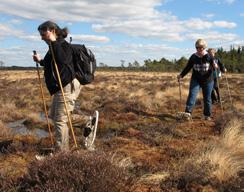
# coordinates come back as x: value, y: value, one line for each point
x: 199, y: 47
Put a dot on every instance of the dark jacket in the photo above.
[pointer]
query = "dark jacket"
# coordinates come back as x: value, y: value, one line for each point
x: 63, y: 56
x: 221, y: 68
x: 202, y: 68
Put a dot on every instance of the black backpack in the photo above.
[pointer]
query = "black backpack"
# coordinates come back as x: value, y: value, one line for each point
x: 84, y: 63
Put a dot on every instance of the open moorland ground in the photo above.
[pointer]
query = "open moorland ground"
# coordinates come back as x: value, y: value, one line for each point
x: 141, y: 146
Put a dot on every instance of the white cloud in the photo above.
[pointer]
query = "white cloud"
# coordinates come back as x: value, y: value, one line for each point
x: 242, y: 14
x: 6, y: 30
x: 18, y: 55
x: 172, y: 30
x: 230, y: 1
x: 75, y: 38
x: 90, y: 38
x: 214, y: 37
x: 209, y: 15
x: 199, y: 24
x: 108, y: 54
x: 16, y: 21
x: 222, y: 1
x: 224, y: 24
x: 76, y: 10
x: 134, y: 18
x: 30, y: 37
x: 132, y: 52
x: 144, y: 28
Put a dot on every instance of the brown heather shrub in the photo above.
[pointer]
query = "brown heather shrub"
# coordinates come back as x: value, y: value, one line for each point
x: 7, y: 186
x: 78, y: 171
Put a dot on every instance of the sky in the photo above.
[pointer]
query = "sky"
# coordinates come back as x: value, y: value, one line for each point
x: 120, y: 31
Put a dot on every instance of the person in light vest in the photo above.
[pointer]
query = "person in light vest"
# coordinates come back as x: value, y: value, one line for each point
x: 219, y: 68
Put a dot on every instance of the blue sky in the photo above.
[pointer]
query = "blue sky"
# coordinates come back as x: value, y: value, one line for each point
x: 118, y: 30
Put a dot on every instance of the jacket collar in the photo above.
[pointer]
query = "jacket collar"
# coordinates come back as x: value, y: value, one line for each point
x: 204, y: 53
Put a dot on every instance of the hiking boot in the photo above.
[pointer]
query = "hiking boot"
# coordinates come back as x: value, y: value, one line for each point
x: 91, y: 147
x: 207, y: 118
x: 90, y: 131
x: 87, y: 130
x: 184, y: 116
x: 187, y: 116
x: 40, y: 157
x: 43, y: 157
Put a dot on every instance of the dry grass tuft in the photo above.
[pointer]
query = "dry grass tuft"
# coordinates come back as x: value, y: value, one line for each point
x: 4, y: 131
x: 222, y: 120
x: 220, y: 166
x: 9, y: 112
x: 228, y: 154
x: 6, y: 138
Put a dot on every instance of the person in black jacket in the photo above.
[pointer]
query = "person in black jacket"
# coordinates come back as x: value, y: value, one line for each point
x: 54, y: 36
x: 218, y: 69
x: 202, y: 77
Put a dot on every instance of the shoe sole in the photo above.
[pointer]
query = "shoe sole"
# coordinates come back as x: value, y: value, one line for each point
x: 94, y: 130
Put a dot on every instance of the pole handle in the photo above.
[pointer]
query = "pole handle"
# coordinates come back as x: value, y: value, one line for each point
x: 34, y: 52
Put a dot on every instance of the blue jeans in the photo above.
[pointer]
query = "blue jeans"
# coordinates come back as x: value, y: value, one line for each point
x: 207, y: 88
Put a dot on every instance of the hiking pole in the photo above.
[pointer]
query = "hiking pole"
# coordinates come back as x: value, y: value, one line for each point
x: 180, y: 114
x: 228, y: 88
x: 62, y: 90
x: 217, y: 80
x: 180, y: 104
x: 44, y: 102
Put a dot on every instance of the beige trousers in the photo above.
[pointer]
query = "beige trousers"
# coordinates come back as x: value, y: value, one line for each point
x: 58, y: 112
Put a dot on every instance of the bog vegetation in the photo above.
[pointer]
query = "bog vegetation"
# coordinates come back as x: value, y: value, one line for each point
x: 140, y: 145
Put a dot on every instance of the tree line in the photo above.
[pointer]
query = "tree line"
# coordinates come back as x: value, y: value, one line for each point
x: 232, y: 59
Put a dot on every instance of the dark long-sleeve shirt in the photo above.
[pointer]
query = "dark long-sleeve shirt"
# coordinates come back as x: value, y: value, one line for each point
x: 64, y: 61
x: 202, y: 67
